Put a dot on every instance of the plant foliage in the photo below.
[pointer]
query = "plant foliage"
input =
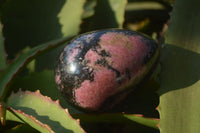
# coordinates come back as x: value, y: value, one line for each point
x: 33, y: 33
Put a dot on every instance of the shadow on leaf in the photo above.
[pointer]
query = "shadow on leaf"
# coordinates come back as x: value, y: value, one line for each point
x: 180, y: 68
x: 54, y: 125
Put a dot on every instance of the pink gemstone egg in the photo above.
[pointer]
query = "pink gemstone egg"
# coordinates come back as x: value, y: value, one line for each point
x: 96, y: 68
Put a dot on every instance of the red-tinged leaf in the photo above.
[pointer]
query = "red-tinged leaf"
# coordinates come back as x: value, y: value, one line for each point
x: 3, y: 113
x: 22, y: 128
x: 44, y: 81
x: 44, y: 110
x: 11, y: 71
x: 20, y: 116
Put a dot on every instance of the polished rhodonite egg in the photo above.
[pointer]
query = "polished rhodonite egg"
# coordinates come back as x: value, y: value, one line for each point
x: 98, y: 66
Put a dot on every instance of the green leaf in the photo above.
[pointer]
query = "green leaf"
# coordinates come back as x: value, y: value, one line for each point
x: 144, y: 5
x: 42, y: 109
x: 118, y: 118
x: 180, y: 78
x: 150, y: 122
x: 147, y: 16
x: 20, y: 116
x: 11, y: 71
x: 118, y: 7
x: 108, y: 14
x: 89, y: 8
x: 2, y: 51
x: 44, y: 81
x: 70, y: 16
x: 33, y: 22
x: 29, y: 23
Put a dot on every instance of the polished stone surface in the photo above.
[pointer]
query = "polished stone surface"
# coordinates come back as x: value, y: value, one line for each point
x: 98, y: 65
